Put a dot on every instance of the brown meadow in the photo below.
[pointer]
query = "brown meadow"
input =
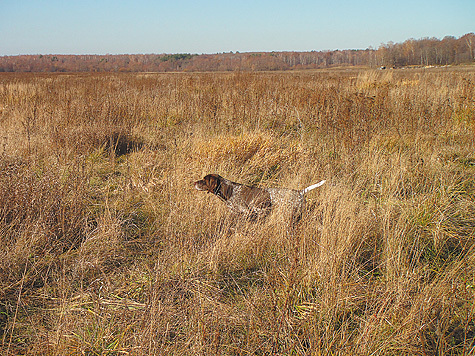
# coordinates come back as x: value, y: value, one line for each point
x: 107, y: 249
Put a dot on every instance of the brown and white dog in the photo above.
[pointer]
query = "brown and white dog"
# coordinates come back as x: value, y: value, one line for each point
x: 254, y: 202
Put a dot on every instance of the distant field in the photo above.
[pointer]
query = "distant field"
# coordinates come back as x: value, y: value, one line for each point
x: 106, y: 248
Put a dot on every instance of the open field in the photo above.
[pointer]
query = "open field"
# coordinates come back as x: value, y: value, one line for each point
x: 106, y: 248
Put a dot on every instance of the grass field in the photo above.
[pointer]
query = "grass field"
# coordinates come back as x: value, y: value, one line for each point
x: 106, y: 248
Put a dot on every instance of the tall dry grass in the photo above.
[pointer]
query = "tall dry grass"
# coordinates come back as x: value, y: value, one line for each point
x: 106, y: 249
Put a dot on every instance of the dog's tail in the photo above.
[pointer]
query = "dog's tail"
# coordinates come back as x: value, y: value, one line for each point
x: 306, y: 190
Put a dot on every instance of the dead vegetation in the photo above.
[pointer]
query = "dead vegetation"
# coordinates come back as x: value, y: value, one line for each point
x: 106, y: 249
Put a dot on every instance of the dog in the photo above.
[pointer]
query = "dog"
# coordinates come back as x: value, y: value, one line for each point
x: 251, y: 201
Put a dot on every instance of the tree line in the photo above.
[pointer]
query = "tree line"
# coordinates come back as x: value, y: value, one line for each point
x: 413, y: 52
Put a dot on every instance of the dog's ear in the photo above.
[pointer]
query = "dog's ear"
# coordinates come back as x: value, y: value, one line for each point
x: 226, y: 191
x: 211, y: 182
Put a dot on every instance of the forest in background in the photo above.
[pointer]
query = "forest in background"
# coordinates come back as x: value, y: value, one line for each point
x: 412, y: 52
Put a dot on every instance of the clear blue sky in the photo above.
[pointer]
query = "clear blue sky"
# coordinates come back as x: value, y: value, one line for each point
x: 211, y: 26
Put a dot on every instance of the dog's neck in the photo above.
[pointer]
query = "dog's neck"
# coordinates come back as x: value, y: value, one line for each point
x: 217, y: 191
x: 223, y: 190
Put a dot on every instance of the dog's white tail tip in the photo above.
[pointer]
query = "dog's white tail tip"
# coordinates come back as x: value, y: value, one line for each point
x: 314, y: 186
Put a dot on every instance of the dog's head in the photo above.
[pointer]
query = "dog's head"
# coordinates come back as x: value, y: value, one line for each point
x: 210, y: 183
x: 213, y: 183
